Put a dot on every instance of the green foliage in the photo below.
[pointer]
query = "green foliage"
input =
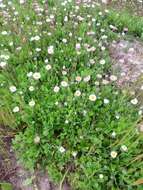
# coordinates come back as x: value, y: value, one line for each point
x: 71, y: 117
x: 6, y: 186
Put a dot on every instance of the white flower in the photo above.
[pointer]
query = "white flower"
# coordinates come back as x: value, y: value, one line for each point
x: 46, y: 60
x: 12, y: 88
x: 101, y: 176
x: 113, y: 154
x: 113, y: 135
x: 36, y: 76
x: 141, y: 87
x: 86, y: 79
x: 31, y: 88
x: 105, y: 82
x: 113, y: 78
x: 62, y: 149
x: 3, y: 64
x: 56, y: 89
x: 77, y: 46
x: 102, y: 62
x: 74, y: 154
x: 96, y: 83
x: 4, y: 32
x: 29, y: 74
x: 51, y: 50
x: 64, y: 40
x: 38, y: 49
x: 134, y: 101
x: 37, y: 140
x: 66, y: 121
x: 92, y: 97
x: 77, y: 93
x: 48, y: 67
x: 16, y: 109
x: 124, y: 148
x: 32, y: 103
x: 106, y: 101
x: 64, y: 72
x: 22, y: 1
x: 78, y: 78
x: 64, y: 84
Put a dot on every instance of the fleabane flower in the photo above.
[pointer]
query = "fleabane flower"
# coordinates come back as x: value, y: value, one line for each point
x: 48, y: 67
x: 62, y: 149
x: 32, y: 103
x: 113, y: 154
x: 15, y: 109
x: 74, y: 153
x: 77, y: 93
x: 134, y: 101
x: 56, y: 89
x: 12, y: 89
x: 78, y: 78
x: 92, y: 97
x: 51, y: 50
x: 87, y: 78
x: 36, y: 75
x: 101, y: 176
x: 3, y: 64
x: 102, y: 62
x: 124, y: 148
x: 37, y: 140
x: 106, y: 101
x: 31, y: 88
x: 64, y: 84
x: 113, y: 78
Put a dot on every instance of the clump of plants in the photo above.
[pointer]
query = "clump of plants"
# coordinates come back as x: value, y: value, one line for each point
x: 57, y: 82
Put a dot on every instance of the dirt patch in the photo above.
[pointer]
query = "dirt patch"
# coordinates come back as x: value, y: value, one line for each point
x: 13, y: 172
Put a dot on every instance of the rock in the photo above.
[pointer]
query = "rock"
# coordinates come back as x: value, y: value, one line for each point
x: 127, y: 57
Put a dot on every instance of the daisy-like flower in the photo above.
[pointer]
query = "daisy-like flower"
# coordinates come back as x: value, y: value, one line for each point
x: 56, y: 89
x: 12, y: 89
x: 48, y: 67
x: 32, y: 103
x: 16, y: 109
x: 64, y: 72
x: 64, y: 84
x: 101, y: 176
x: 134, y: 101
x: 92, y: 97
x: 105, y: 82
x: 77, y: 93
x: 37, y: 76
x: 46, y: 60
x: 31, y: 88
x: 62, y: 149
x: 113, y: 135
x: 77, y: 46
x: 3, y: 64
x: 113, y: 78
x: 64, y: 40
x: 124, y: 148
x: 113, y: 154
x: 102, y: 62
x: 37, y: 140
x: 78, y: 78
x: 106, y: 101
x: 141, y: 87
x: 86, y: 79
x: 51, y: 50
x: 30, y: 74
x: 74, y: 153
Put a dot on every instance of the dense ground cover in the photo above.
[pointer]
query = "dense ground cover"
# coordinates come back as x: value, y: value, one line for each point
x: 60, y: 96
